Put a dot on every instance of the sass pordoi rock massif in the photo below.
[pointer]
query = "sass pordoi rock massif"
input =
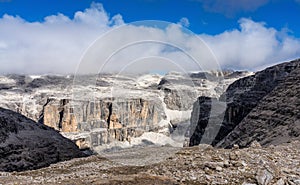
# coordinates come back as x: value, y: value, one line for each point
x: 257, y: 117
x: 108, y: 110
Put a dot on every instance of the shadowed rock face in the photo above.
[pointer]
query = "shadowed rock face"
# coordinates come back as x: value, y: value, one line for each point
x: 26, y: 145
x: 206, y: 119
x: 275, y: 120
x: 247, y: 96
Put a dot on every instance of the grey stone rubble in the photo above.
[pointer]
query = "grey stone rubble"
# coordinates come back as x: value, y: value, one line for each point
x: 201, y: 164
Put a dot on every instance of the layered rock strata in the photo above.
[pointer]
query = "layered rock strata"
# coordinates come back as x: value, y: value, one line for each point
x: 264, y: 98
x: 275, y: 120
x: 79, y: 106
x: 107, y: 119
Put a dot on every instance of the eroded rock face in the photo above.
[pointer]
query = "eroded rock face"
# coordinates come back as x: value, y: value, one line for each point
x: 139, y: 103
x: 181, y: 90
x: 26, y: 145
x: 106, y: 119
x: 205, y: 120
x: 246, y: 94
x: 85, y: 116
x: 28, y: 94
x: 275, y: 120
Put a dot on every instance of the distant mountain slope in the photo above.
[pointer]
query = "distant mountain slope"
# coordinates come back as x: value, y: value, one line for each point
x: 243, y: 96
x: 275, y: 120
x: 100, y: 109
x: 25, y: 144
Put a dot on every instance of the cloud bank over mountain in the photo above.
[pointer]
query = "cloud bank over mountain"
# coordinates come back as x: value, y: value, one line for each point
x: 57, y: 44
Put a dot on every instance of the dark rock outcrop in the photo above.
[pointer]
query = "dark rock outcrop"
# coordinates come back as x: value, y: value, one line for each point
x: 244, y: 95
x: 205, y: 120
x: 275, y: 120
x: 26, y: 145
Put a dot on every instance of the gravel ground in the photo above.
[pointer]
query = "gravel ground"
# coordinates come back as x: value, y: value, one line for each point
x: 195, y: 165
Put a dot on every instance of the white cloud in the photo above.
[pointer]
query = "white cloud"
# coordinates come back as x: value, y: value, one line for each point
x: 54, y: 45
x: 253, y: 45
x: 57, y: 44
x: 184, y: 22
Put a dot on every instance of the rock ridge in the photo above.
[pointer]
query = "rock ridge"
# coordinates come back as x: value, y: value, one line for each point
x: 27, y: 145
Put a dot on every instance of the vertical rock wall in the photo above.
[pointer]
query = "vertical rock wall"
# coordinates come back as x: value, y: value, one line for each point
x: 106, y: 119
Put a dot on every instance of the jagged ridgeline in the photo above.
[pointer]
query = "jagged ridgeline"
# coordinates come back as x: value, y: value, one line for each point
x: 98, y: 110
x: 263, y: 107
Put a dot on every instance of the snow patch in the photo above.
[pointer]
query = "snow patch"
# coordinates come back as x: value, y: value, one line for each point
x: 148, y: 80
x: 155, y: 139
x: 35, y: 76
x: 178, y: 116
x: 5, y: 80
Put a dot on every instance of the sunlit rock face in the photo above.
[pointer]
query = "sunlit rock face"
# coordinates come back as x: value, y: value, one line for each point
x: 112, y: 119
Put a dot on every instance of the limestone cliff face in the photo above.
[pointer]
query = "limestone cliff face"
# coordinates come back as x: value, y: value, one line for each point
x: 178, y: 90
x: 245, y: 94
x: 61, y: 115
x: 27, y: 94
x: 112, y: 114
x: 105, y: 119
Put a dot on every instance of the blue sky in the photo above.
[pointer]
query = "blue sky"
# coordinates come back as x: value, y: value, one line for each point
x: 52, y: 35
x: 210, y: 20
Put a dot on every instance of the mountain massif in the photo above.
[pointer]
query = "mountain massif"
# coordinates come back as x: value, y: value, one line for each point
x: 254, y: 126
x: 262, y: 107
x: 108, y: 109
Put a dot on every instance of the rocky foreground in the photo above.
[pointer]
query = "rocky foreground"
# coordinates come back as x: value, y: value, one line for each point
x: 201, y: 164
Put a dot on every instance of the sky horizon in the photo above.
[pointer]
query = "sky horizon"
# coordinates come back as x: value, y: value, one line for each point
x: 51, y: 36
